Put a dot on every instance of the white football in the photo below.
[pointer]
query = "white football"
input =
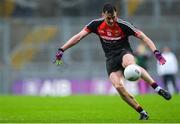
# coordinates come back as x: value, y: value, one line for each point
x: 132, y: 72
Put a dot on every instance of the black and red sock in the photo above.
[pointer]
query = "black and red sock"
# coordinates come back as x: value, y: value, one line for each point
x: 139, y: 109
x: 156, y: 87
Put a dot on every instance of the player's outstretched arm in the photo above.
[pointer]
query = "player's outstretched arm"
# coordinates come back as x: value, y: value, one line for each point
x: 75, y: 39
x: 146, y: 40
x: 71, y: 42
x: 152, y: 46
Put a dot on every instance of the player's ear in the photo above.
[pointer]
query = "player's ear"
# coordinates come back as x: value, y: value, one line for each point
x: 103, y: 15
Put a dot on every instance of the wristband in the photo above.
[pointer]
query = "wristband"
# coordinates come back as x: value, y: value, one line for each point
x: 60, y: 49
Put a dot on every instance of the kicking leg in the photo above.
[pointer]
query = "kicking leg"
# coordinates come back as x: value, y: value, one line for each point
x: 129, y: 59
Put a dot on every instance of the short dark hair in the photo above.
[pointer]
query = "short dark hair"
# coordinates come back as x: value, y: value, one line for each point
x: 109, y: 8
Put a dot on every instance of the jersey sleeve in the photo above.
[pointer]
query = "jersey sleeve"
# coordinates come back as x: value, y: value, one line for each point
x: 129, y: 29
x: 91, y: 27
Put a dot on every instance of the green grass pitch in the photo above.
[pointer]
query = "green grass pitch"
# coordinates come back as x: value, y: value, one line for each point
x: 86, y: 109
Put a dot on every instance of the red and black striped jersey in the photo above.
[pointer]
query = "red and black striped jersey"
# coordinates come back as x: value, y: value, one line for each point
x: 113, y: 38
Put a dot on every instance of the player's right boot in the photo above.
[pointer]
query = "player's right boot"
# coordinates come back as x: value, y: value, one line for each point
x: 144, y: 116
x: 165, y: 94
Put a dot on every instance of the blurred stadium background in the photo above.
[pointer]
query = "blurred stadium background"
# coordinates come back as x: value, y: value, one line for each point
x: 32, y: 30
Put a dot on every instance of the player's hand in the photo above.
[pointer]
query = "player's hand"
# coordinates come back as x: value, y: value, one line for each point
x: 58, y: 58
x: 159, y: 57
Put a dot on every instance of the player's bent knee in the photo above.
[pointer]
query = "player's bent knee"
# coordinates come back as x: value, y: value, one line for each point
x: 117, y: 85
x: 128, y: 63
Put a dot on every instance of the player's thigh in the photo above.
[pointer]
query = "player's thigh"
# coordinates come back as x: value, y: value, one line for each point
x: 128, y: 59
x: 116, y: 79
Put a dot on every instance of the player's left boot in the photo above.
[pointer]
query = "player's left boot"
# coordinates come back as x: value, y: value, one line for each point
x: 144, y: 116
x: 165, y: 94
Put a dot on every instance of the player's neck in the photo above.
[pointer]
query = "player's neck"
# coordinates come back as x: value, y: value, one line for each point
x: 110, y: 25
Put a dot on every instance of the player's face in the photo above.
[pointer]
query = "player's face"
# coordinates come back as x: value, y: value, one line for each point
x: 110, y: 18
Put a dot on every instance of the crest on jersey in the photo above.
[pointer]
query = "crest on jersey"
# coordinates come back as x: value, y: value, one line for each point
x: 109, y: 33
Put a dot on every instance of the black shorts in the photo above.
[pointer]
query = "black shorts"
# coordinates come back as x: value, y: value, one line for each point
x: 114, y: 64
